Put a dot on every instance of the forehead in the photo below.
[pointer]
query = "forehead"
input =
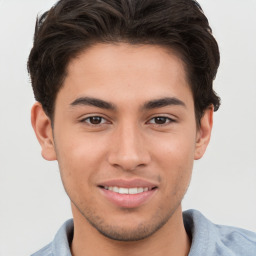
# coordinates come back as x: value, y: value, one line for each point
x: 126, y: 57
x: 127, y: 72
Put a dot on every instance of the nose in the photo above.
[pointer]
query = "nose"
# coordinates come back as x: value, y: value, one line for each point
x: 128, y: 148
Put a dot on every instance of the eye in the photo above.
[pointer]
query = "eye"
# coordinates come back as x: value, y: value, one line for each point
x: 94, y: 120
x: 161, y: 120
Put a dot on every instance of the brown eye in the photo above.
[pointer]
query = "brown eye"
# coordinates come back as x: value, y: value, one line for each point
x: 160, y: 120
x: 95, y: 119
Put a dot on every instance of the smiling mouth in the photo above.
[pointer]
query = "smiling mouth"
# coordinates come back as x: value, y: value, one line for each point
x: 128, y: 191
x: 128, y: 194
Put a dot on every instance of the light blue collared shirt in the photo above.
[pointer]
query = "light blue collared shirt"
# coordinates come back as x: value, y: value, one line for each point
x: 208, y: 239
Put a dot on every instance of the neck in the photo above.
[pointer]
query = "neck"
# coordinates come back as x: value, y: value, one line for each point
x: 171, y: 239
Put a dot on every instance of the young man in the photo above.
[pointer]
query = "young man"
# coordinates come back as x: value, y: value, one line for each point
x: 125, y: 104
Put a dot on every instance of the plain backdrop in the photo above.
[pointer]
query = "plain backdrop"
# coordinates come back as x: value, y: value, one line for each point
x: 33, y: 204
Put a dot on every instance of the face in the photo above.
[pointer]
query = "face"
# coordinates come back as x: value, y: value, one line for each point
x: 125, y: 138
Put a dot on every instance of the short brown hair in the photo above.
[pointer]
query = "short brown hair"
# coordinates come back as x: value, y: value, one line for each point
x: 71, y: 26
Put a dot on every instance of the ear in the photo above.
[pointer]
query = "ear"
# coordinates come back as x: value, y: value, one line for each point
x: 43, y: 129
x: 204, y: 133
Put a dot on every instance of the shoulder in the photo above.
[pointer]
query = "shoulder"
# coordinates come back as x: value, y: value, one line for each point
x: 60, y: 245
x: 211, y: 239
x: 237, y: 240
x: 45, y: 251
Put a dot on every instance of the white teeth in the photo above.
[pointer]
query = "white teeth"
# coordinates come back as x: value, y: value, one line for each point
x: 133, y: 191
x: 123, y: 191
x: 115, y: 189
x: 140, y: 190
x: 130, y: 191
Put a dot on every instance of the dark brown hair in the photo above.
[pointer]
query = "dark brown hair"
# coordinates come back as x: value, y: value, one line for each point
x: 71, y: 26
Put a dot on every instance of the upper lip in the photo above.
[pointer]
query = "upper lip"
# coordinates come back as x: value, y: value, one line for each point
x: 124, y: 183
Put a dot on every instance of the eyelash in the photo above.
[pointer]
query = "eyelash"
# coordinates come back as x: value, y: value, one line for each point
x: 167, y: 120
x: 89, y: 119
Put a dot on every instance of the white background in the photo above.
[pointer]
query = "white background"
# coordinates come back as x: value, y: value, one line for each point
x: 33, y: 203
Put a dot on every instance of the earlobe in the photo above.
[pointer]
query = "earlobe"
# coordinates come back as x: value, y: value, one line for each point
x: 41, y: 124
x: 204, y: 133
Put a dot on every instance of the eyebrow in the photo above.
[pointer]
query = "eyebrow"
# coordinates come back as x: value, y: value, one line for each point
x: 163, y: 102
x: 152, y: 104
x: 88, y: 101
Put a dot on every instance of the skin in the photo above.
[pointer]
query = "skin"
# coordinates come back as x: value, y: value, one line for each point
x: 128, y: 142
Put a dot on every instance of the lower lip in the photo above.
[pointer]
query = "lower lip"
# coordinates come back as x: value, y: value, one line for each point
x: 128, y: 200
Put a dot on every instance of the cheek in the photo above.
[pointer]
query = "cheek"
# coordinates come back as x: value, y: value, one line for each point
x: 174, y: 156
x: 79, y: 159
x: 174, y: 149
